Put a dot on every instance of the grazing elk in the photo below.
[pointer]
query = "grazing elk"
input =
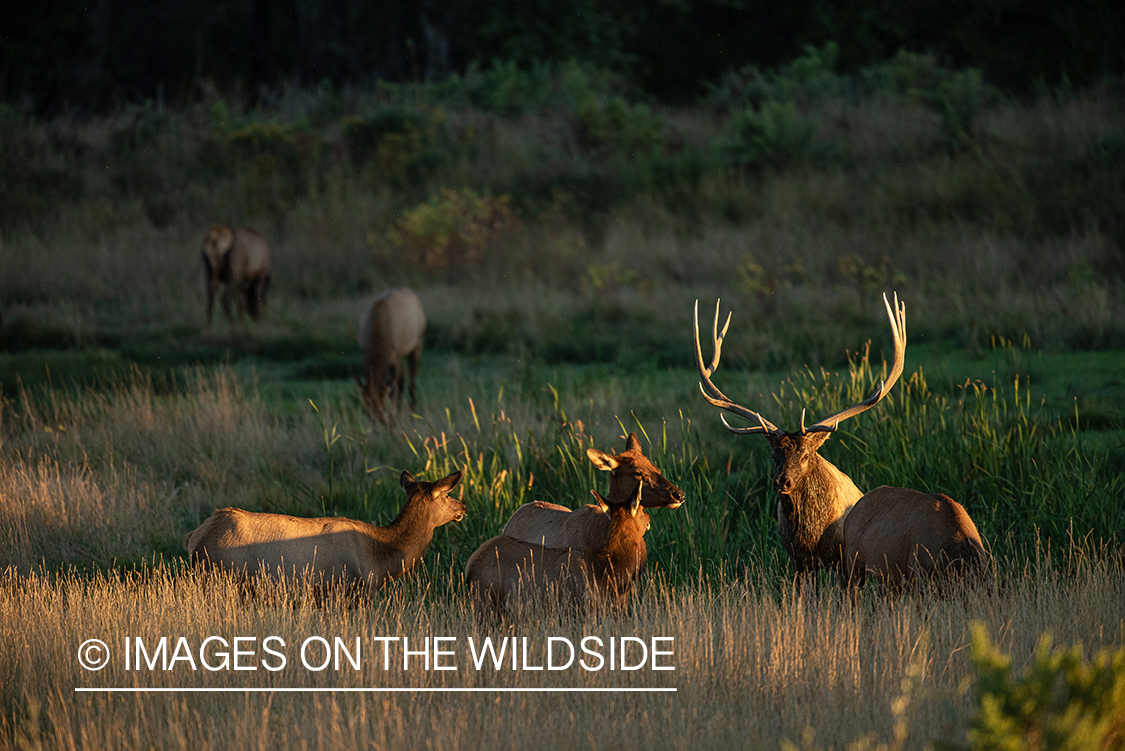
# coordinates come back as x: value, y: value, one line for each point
x: 813, y: 495
x: 391, y: 329
x: 507, y: 571
x: 240, y: 259
x: 905, y: 538
x: 555, y: 526
x: 330, y: 550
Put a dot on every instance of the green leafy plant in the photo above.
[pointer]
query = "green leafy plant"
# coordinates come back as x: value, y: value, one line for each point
x: 451, y: 230
x: 1061, y: 701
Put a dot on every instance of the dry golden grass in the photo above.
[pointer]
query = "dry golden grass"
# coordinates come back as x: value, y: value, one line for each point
x: 753, y: 669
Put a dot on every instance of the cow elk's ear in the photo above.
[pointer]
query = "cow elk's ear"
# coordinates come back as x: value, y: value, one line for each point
x: 602, y: 460
x: 635, y: 506
x: 446, y: 484
x: 406, y: 480
x: 600, y: 501
x: 632, y: 443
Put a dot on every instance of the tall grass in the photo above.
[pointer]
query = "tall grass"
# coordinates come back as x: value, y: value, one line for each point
x: 751, y: 666
x: 168, y: 457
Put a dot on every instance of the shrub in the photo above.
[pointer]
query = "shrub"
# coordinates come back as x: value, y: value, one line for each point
x: 451, y: 231
x: 776, y: 135
x: 1060, y: 702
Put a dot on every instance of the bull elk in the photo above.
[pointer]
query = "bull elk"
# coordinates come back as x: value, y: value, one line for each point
x: 591, y: 566
x: 391, y: 329
x: 904, y: 538
x: 240, y: 259
x: 331, y: 550
x: 555, y: 526
x: 813, y: 495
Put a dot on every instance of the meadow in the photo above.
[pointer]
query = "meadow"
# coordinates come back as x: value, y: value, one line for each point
x: 558, y: 241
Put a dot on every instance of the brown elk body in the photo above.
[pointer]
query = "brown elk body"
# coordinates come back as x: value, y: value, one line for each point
x: 327, y: 550
x: 904, y: 538
x: 506, y: 572
x: 392, y: 328
x: 814, y: 496
x: 240, y: 259
x: 555, y: 526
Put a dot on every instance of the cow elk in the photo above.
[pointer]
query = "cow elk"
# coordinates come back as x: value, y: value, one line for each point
x: 813, y: 495
x: 905, y: 539
x: 391, y: 329
x: 555, y: 526
x: 506, y: 573
x: 240, y: 259
x: 327, y: 551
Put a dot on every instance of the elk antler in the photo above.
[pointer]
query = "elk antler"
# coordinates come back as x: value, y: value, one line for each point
x: 711, y: 393
x: 898, y: 329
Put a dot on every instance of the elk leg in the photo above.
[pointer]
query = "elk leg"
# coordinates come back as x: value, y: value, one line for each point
x: 400, y: 383
x: 225, y: 300
x: 412, y: 360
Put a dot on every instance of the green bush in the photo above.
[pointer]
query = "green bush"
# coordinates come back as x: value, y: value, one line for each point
x: 451, y: 231
x: 776, y: 135
x: 1060, y: 702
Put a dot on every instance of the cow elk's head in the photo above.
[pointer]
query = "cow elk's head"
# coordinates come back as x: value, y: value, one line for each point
x: 633, y: 475
x: 216, y: 245
x: 433, y: 498
x: 794, y: 453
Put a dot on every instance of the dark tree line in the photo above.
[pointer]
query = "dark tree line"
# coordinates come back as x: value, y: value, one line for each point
x: 90, y: 55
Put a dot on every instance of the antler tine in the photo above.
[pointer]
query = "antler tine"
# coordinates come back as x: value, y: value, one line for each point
x: 710, y: 391
x: 897, y: 317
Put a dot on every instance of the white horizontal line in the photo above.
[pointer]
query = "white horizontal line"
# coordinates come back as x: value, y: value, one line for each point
x: 373, y: 690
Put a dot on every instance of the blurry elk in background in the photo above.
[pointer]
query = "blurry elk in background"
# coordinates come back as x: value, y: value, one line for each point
x: 240, y: 259
x: 391, y: 329
x: 813, y: 495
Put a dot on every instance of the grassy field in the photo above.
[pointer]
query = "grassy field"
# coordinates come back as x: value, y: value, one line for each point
x: 578, y: 231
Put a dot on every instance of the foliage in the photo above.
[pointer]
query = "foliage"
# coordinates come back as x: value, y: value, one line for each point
x: 777, y: 135
x: 451, y: 231
x: 1061, y: 701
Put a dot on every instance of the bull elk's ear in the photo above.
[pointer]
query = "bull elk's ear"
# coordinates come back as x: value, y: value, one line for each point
x: 602, y: 504
x: 632, y: 443
x: 406, y: 480
x: 447, y: 484
x: 602, y: 460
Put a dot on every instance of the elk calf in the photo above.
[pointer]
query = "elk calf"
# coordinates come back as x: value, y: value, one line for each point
x: 391, y: 329
x: 904, y: 538
x: 505, y: 572
x: 240, y: 259
x: 327, y: 550
x: 813, y: 496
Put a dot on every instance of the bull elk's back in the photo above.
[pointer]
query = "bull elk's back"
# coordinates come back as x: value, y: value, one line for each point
x: 901, y: 536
